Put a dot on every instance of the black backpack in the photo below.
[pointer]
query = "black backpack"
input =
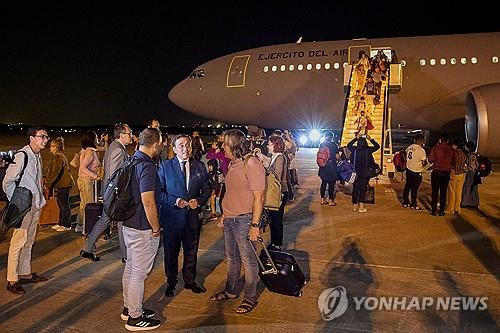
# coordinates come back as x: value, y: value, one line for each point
x: 118, y: 199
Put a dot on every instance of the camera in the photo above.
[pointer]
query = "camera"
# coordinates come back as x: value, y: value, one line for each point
x: 6, y: 157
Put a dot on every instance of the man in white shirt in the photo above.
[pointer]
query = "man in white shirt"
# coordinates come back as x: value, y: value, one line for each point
x: 19, y: 261
x: 415, y: 165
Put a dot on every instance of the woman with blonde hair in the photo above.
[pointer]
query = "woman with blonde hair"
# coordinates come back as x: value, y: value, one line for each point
x: 59, y: 178
x: 87, y: 175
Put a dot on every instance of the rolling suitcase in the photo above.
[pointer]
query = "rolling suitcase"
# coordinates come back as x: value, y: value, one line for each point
x: 93, y: 211
x: 279, y: 272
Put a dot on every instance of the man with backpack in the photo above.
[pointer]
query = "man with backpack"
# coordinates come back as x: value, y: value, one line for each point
x: 141, y: 232
x: 326, y: 159
x: 26, y: 171
x: 115, y: 156
x: 415, y: 162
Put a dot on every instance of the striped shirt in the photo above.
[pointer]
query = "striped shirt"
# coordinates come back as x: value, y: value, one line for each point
x: 458, y: 163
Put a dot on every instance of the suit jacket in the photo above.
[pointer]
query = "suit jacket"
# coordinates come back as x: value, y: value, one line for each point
x: 114, y: 157
x: 173, y: 187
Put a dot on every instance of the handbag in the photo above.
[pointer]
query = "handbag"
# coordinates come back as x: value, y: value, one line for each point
x: 347, y: 171
x: 369, y: 125
x: 75, y: 161
x: 370, y: 195
x: 19, y: 204
x: 373, y: 169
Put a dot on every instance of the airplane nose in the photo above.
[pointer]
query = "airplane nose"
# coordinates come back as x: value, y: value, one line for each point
x: 176, y: 94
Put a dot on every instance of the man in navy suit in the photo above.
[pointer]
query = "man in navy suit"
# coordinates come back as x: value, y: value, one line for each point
x: 185, y: 189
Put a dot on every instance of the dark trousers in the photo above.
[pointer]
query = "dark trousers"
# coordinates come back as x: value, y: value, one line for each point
x: 439, y: 184
x: 63, y: 204
x: 413, y: 181
x: 276, y: 223
x: 359, y: 189
x: 331, y: 189
x: 189, y: 238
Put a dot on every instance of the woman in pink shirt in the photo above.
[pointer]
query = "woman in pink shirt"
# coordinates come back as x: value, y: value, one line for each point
x: 87, y: 174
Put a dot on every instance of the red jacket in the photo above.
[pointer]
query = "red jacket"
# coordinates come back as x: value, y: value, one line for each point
x: 442, y: 156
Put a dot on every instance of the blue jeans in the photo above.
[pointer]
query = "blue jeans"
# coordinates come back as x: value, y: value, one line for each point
x: 238, y: 250
x: 142, y: 247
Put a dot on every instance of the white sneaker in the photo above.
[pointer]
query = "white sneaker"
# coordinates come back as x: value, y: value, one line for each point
x: 55, y: 227
x: 362, y: 210
x: 62, y: 228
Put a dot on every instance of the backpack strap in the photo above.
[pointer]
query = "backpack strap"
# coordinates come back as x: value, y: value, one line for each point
x: 24, y: 166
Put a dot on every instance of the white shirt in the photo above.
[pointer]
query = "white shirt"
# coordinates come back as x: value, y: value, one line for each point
x: 415, y: 157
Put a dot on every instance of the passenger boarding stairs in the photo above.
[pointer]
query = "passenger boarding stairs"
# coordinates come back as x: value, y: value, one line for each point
x: 374, y: 112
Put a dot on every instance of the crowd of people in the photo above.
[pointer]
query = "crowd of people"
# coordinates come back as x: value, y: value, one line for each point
x: 454, y: 176
x: 174, y: 178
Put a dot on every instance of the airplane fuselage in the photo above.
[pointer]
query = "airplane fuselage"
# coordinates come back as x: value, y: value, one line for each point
x: 264, y: 86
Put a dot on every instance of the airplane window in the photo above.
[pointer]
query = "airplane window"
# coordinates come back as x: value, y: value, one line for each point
x: 318, y: 66
x: 345, y: 64
x: 282, y: 68
x: 274, y: 68
x: 463, y: 61
x: 422, y: 62
x: 327, y: 65
x: 266, y: 69
x: 432, y: 62
x: 336, y: 65
x: 453, y: 61
x: 443, y: 61
x: 291, y: 68
x: 473, y: 60
x: 300, y: 67
x: 495, y: 60
x: 403, y: 63
x: 309, y: 67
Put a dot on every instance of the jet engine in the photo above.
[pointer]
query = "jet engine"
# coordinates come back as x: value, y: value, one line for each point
x: 482, y: 119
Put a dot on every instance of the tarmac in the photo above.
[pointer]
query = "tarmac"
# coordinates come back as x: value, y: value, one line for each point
x: 389, y: 251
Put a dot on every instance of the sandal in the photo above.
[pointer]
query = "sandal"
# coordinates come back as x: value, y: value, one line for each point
x: 333, y: 203
x: 223, y: 295
x: 246, y: 306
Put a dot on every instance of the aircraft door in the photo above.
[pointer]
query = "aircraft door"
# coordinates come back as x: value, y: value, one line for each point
x: 236, y: 73
x: 354, y: 52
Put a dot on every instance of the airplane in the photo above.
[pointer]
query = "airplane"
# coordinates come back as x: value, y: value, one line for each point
x: 447, y: 81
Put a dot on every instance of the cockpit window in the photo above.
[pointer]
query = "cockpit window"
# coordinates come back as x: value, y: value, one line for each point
x: 197, y: 73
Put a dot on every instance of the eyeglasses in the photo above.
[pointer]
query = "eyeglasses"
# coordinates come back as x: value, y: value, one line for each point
x: 44, y: 137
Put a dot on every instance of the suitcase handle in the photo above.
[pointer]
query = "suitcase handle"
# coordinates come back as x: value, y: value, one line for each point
x: 273, y: 270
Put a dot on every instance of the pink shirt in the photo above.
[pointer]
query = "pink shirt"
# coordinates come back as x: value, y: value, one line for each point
x: 239, y: 186
x: 89, y: 163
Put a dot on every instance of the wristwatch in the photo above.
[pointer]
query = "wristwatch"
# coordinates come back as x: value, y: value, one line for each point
x: 255, y: 225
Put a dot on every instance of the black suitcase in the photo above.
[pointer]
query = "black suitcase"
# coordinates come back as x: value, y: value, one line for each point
x: 279, y: 272
x: 370, y: 195
x: 93, y: 211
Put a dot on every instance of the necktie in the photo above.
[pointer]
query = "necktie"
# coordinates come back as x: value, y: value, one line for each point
x: 183, y: 169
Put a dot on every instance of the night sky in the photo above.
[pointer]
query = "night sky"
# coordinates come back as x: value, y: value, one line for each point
x: 69, y: 65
